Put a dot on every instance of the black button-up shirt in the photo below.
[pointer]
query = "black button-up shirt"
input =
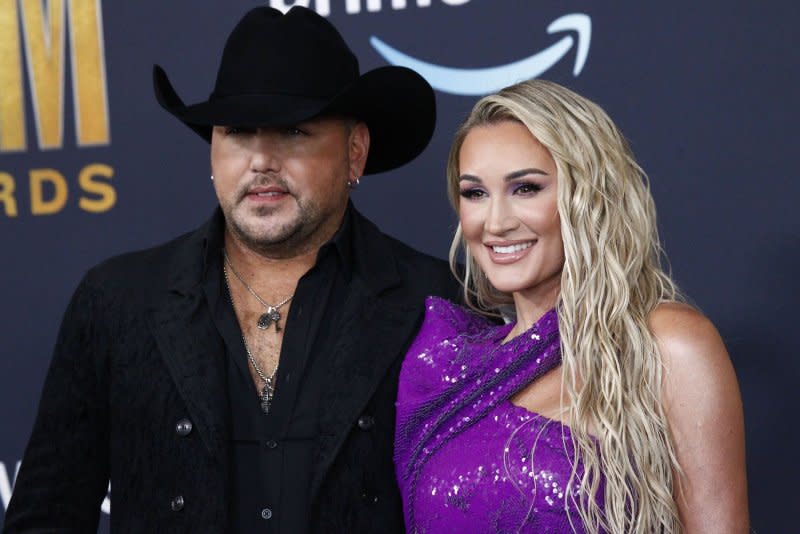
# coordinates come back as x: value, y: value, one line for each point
x: 271, y: 456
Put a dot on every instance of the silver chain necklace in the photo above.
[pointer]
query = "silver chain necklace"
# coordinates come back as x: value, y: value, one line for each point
x: 268, y: 391
x: 271, y: 315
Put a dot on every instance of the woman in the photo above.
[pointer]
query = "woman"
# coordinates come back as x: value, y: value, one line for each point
x: 607, y: 405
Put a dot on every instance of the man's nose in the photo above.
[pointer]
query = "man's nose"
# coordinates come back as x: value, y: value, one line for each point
x: 266, y: 153
x: 500, y: 217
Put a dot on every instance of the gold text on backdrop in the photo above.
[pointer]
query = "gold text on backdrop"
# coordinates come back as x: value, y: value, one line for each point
x: 42, y: 38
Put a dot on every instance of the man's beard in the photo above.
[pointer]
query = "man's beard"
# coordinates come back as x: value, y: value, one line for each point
x: 284, y: 239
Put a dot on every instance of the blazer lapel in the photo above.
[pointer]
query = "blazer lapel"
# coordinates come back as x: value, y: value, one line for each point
x: 191, y: 347
x: 374, y: 335
x: 378, y: 322
x: 194, y: 354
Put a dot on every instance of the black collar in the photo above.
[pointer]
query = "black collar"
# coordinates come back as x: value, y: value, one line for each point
x: 340, y: 244
x: 362, y: 248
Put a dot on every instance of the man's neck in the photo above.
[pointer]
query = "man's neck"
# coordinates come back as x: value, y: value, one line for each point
x: 264, y: 274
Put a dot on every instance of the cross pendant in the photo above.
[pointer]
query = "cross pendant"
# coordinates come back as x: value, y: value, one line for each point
x: 272, y: 315
x: 266, y: 397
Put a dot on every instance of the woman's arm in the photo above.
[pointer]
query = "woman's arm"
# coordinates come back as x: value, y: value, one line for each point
x: 704, y: 410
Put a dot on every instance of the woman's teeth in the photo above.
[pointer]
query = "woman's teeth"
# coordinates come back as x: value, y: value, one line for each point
x: 512, y: 248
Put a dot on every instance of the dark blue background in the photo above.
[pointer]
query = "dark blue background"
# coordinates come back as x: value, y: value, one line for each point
x: 705, y: 91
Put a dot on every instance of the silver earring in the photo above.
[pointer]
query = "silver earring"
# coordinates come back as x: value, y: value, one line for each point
x: 353, y: 184
x: 212, y: 177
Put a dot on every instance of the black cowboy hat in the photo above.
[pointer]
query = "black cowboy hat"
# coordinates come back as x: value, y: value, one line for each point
x: 278, y: 70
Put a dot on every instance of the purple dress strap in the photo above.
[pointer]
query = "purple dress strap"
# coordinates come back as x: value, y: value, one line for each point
x: 467, y: 459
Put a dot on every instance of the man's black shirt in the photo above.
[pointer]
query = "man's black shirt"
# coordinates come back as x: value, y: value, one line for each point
x: 272, y: 455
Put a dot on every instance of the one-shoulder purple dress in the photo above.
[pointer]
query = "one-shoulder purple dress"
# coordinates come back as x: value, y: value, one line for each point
x: 467, y: 459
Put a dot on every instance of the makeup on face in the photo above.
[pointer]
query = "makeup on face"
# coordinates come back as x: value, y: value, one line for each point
x: 508, y: 208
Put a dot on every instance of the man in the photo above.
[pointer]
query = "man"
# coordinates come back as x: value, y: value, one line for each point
x: 242, y: 378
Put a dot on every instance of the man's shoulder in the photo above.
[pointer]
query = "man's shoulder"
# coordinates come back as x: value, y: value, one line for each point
x: 399, y: 249
x: 405, y: 252
x: 422, y: 274
x: 145, y: 268
x: 412, y: 260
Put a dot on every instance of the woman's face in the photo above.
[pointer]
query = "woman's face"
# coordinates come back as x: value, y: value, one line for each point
x: 508, y: 210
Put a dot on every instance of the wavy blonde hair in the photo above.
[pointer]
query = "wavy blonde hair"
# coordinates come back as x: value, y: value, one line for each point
x: 611, y: 281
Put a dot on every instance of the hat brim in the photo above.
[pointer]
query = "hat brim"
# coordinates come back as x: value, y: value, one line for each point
x: 396, y: 103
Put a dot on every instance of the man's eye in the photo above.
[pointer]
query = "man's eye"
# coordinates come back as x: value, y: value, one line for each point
x: 237, y: 130
x: 294, y: 130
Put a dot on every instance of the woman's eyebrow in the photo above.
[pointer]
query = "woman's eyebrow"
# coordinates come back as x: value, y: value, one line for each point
x: 509, y: 177
x: 522, y: 172
x: 469, y: 178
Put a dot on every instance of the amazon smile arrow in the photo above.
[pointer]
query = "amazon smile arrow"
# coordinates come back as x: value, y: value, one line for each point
x: 487, y: 80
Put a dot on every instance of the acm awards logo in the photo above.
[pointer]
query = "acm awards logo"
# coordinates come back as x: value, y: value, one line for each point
x: 38, y: 38
x: 472, y: 82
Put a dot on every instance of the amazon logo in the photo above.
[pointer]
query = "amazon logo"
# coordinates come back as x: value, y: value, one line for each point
x: 481, y: 81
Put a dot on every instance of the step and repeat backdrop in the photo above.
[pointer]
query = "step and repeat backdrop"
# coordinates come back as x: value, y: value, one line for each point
x: 706, y: 92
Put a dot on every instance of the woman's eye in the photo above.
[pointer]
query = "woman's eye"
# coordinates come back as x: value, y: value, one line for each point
x: 527, y: 188
x: 472, y: 194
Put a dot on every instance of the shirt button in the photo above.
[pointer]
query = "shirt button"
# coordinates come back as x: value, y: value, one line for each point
x: 366, y: 422
x: 271, y: 444
x: 266, y: 513
x: 177, y: 503
x: 183, y: 427
x: 369, y: 498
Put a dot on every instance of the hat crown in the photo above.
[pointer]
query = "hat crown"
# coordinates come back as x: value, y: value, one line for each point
x: 278, y: 70
x: 299, y: 53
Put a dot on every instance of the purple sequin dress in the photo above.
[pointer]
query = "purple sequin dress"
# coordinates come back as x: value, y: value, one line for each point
x: 467, y: 459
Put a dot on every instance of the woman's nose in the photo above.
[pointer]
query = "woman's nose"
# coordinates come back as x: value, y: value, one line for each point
x: 500, y: 218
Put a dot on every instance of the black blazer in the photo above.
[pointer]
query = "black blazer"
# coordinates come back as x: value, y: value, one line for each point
x: 137, y: 354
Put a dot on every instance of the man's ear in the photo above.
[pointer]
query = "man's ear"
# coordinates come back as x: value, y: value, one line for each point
x: 358, y: 149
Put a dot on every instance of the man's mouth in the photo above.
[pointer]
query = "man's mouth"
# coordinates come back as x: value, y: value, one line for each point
x: 266, y: 192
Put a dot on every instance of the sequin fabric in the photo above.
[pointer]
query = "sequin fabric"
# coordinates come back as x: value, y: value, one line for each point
x: 467, y: 459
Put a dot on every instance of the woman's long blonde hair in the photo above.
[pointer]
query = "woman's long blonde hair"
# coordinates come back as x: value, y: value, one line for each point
x: 611, y: 281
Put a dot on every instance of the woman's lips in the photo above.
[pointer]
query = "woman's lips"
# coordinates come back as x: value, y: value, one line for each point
x: 505, y: 253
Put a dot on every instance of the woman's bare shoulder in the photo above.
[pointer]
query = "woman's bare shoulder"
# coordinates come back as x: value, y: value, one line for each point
x: 686, y: 338
x: 704, y: 409
x: 696, y: 362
